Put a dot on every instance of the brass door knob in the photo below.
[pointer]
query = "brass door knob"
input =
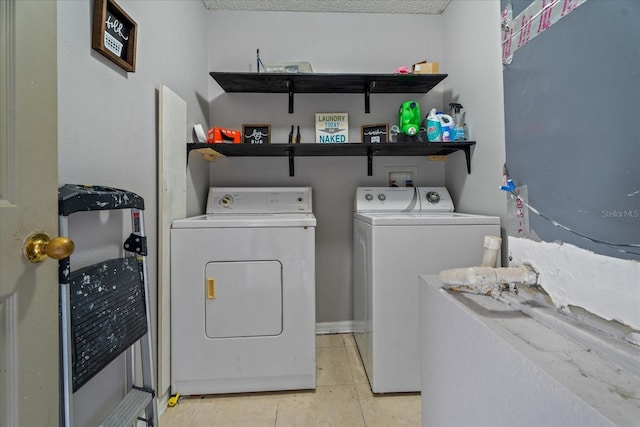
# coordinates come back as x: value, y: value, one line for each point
x: 39, y: 246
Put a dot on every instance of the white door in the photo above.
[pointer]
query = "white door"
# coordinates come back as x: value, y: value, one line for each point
x: 242, y: 299
x: 28, y: 203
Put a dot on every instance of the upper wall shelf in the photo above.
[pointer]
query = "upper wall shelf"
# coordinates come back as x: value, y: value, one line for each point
x: 292, y: 83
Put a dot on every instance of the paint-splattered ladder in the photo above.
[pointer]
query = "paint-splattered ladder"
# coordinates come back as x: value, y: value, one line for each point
x: 104, y: 310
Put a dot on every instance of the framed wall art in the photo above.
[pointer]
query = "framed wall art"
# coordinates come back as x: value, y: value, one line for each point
x: 332, y: 128
x: 373, y: 134
x: 256, y: 134
x: 114, y: 34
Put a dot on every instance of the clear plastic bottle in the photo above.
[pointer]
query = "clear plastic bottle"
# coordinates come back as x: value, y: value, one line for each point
x: 458, y: 132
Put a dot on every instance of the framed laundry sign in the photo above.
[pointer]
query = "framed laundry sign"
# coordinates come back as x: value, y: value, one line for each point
x: 372, y: 134
x: 114, y: 34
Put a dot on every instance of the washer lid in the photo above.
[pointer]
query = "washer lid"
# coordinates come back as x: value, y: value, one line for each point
x: 246, y: 221
x: 403, y: 219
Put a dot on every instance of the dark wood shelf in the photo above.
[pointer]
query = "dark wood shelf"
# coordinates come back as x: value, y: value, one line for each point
x: 367, y: 84
x: 211, y: 151
x: 292, y: 83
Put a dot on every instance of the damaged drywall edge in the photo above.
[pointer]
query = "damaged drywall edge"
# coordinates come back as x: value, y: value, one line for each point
x: 605, y: 286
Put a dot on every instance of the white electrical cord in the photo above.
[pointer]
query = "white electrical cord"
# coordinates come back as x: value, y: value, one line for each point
x: 616, y: 246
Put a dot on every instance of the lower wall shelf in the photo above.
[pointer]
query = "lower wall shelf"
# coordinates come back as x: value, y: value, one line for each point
x: 212, y: 151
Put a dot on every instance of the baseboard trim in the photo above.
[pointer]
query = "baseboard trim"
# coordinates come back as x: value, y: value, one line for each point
x: 335, y: 327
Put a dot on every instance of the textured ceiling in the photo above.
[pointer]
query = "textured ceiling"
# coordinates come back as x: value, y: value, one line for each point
x: 364, y: 6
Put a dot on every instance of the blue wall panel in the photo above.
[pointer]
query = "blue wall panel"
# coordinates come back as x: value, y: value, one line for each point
x: 572, y: 106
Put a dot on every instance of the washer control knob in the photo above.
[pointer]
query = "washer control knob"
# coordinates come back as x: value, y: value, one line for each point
x: 433, y: 197
x: 382, y: 197
x: 368, y: 197
x: 226, y: 201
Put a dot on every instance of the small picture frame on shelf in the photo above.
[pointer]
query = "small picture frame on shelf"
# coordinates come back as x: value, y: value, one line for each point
x: 114, y: 34
x: 374, y: 134
x: 332, y: 128
x: 256, y: 134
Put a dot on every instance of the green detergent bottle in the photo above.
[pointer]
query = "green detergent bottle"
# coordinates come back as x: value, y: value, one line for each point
x: 409, y: 118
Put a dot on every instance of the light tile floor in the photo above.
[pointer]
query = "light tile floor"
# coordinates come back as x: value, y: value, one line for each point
x: 342, y: 399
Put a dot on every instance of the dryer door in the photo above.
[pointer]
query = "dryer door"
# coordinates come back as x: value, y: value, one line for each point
x: 243, y: 299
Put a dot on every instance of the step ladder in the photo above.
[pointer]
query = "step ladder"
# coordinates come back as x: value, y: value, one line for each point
x: 104, y: 310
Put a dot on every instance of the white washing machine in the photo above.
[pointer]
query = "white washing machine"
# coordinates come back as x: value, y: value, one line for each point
x: 243, y: 293
x: 399, y: 234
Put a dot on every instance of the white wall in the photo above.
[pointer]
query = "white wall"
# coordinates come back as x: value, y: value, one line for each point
x: 107, y: 133
x: 472, y: 58
x: 332, y: 43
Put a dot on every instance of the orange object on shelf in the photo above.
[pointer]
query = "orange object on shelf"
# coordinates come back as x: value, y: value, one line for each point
x: 218, y: 135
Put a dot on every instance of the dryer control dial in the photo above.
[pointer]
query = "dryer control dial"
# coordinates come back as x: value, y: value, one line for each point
x: 433, y: 197
x: 382, y: 197
x: 226, y: 201
x: 368, y: 197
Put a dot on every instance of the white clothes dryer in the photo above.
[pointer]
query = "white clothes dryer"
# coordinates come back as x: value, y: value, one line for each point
x: 243, y: 293
x: 399, y: 234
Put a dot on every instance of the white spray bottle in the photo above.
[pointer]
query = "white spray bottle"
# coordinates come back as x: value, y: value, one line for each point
x: 446, y: 123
